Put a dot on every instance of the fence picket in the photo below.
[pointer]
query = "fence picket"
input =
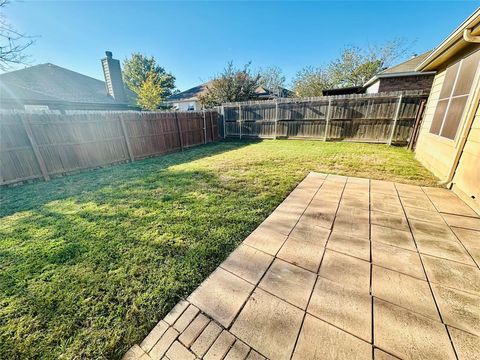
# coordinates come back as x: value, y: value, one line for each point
x: 223, y: 119
x: 179, y: 131
x: 395, y: 119
x: 327, y: 119
x: 36, y: 150
x: 276, y: 120
x: 127, y: 141
x: 204, y: 128
x: 240, y: 120
x: 211, y: 125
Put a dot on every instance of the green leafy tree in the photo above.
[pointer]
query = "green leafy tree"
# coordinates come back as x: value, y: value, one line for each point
x: 150, y: 93
x: 311, y: 81
x: 354, y: 67
x: 137, y: 69
x: 233, y: 84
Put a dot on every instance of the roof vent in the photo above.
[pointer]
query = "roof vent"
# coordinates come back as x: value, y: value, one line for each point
x: 113, y: 78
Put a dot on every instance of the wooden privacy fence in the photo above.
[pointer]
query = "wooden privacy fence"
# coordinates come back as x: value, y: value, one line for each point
x: 34, y: 145
x: 380, y: 118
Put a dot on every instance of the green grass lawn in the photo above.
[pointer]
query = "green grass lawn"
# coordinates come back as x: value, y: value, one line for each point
x: 90, y: 262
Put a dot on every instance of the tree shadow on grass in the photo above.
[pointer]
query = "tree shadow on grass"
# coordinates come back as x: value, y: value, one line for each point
x: 112, y: 260
x: 30, y: 196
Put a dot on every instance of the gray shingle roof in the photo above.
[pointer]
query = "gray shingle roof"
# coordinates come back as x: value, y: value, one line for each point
x: 50, y: 82
x: 190, y: 94
x: 407, y: 66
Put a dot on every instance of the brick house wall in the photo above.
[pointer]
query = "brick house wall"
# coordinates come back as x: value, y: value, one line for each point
x: 423, y: 82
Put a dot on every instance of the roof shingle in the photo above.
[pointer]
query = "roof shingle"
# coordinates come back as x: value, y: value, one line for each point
x: 49, y: 82
x: 407, y: 66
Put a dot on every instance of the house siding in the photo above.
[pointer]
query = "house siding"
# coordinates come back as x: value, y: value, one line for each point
x: 466, y: 182
x: 373, y: 89
x: 422, y: 82
x: 434, y: 152
x: 184, y: 105
x: 439, y: 154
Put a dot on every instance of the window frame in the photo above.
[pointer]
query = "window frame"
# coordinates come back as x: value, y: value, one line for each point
x: 451, y: 97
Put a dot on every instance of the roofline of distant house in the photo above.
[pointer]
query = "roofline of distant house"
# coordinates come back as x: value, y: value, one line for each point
x: 399, y: 74
x: 450, y: 45
x: 63, y: 102
x: 58, y: 66
x: 54, y: 100
x: 177, y: 100
x: 171, y: 98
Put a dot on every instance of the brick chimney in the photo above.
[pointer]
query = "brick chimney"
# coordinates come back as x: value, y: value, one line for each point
x: 113, y: 78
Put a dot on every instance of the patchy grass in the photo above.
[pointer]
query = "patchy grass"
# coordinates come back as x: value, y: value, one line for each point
x: 90, y: 262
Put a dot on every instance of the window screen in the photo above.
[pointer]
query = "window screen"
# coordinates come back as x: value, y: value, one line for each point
x: 453, y: 96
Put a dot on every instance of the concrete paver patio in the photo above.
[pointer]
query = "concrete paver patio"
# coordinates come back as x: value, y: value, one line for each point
x: 344, y: 268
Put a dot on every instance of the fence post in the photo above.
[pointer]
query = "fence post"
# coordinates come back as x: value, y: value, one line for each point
x: 204, y: 128
x: 416, y: 126
x: 224, y: 123
x: 240, y: 120
x: 276, y: 119
x: 127, y: 141
x: 369, y: 107
x: 395, y: 119
x: 36, y: 150
x: 327, y: 119
x: 179, y: 129
x: 211, y: 126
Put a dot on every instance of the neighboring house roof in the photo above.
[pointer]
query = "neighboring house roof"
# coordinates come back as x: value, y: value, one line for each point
x: 192, y: 94
x: 454, y: 43
x: 49, y: 82
x: 263, y: 92
x: 406, y: 68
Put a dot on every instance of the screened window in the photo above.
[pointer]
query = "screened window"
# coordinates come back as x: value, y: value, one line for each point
x: 453, y: 96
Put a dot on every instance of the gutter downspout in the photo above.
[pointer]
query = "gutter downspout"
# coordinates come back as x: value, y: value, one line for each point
x: 467, y: 36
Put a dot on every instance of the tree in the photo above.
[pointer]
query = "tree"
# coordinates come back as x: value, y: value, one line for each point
x: 230, y: 86
x: 150, y: 93
x: 138, y: 68
x: 355, y: 66
x: 272, y: 78
x: 12, y: 43
x: 311, y: 81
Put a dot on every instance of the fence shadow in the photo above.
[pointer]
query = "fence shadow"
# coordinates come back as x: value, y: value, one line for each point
x: 144, y: 233
x: 109, y: 178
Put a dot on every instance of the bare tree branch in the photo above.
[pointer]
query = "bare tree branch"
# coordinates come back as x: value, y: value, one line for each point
x: 12, y: 43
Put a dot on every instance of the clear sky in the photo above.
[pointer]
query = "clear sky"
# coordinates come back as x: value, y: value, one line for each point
x: 195, y: 40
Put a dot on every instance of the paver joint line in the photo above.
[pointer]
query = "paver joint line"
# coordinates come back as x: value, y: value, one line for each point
x: 344, y: 267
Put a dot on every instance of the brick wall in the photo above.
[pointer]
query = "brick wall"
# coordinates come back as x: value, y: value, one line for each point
x: 423, y: 82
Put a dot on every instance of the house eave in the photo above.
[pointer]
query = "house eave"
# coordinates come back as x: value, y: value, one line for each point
x: 452, y: 44
x: 399, y: 74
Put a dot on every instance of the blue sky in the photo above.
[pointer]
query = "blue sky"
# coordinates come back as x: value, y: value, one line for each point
x: 195, y: 40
